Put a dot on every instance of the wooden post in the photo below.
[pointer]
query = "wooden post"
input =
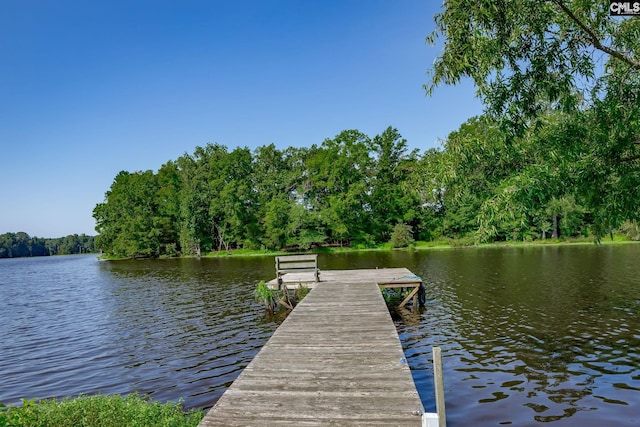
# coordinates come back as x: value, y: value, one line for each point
x: 411, y: 295
x: 439, y: 386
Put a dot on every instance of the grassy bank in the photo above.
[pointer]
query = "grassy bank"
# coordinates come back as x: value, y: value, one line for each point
x: 418, y: 246
x: 434, y: 245
x: 569, y: 241
x: 98, y: 411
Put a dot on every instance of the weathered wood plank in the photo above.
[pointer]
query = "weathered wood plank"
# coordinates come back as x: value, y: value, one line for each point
x: 385, y: 277
x: 286, y: 258
x: 336, y: 359
x: 285, y: 266
x: 287, y: 270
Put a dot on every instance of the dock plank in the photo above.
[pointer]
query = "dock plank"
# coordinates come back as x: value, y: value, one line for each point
x: 335, y: 360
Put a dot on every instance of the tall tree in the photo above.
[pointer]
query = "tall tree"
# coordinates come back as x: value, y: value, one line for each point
x: 195, y: 222
x: 275, y: 222
x: 426, y: 185
x: 126, y: 219
x: 168, y: 201
x: 477, y: 157
x: 274, y: 181
x: 338, y: 186
x: 391, y: 165
x: 235, y: 205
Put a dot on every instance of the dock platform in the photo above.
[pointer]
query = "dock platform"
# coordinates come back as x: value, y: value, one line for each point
x: 383, y: 277
x: 335, y: 360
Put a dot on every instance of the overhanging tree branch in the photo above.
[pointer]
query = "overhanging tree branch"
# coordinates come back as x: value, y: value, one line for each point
x: 593, y: 38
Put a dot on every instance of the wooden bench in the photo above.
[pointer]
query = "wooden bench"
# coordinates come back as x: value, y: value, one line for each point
x: 297, y: 264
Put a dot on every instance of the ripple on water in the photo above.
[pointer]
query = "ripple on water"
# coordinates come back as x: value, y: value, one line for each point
x: 174, y: 329
x: 560, y: 346
x: 528, y: 335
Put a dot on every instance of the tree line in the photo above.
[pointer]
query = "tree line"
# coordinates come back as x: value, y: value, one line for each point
x: 482, y: 185
x: 556, y: 154
x: 15, y: 245
x: 349, y: 190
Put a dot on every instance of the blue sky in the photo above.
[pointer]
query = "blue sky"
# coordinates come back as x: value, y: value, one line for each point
x: 90, y: 88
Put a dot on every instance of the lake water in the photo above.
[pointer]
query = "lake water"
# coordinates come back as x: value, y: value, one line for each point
x: 528, y: 335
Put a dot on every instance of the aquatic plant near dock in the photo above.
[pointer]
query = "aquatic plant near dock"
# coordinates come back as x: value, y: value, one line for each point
x: 264, y: 294
x: 301, y: 292
x: 272, y: 297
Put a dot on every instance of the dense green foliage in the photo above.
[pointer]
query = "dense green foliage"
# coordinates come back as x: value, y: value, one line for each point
x: 562, y: 79
x: 346, y: 191
x: 528, y: 55
x: 556, y: 154
x: 14, y: 245
x: 98, y: 411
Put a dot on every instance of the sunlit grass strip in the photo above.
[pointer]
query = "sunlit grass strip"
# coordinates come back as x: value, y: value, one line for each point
x: 441, y: 243
x: 98, y: 411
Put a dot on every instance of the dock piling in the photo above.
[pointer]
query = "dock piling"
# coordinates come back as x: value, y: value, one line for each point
x: 439, y: 387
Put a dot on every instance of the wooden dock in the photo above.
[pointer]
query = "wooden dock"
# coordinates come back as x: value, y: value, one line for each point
x: 335, y: 360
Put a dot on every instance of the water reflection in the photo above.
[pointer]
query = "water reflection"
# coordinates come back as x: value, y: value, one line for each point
x: 529, y: 335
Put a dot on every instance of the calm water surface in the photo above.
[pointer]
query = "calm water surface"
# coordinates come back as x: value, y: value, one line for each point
x: 529, y: 335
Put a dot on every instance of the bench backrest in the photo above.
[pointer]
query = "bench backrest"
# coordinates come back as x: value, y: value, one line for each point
x: 297, y: 263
